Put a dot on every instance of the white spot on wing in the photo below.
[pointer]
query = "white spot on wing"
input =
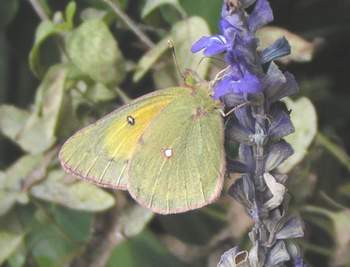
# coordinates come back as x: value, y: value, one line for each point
x: 168, y: 152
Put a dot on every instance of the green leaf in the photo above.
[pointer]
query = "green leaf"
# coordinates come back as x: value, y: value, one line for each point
x: 151, y: 5
x: 18, y: 258
x: 76, y: 224
x: 92, y: 48
x: 139, y: 217
x: 12, y: 120
x: 45, y: 30
x: 304, y: 118
x: 94, y: 13
x: 333, y: 148
x: 9, y: 242
x: 143, y: 250
x: 70, y: 13
x: 63, y: 189
x: 50, y: 246
x: 39, y: 131
x: 11, y: 181
x: 8, y: 9
x: 341, y: 233
x: 344, y: 189
x: 194, y: 227
x: 208, y: 10
x: 98, y: 92
x: 183, y: 35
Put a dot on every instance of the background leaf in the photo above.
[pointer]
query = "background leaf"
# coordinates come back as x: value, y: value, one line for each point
x: 8, y: 9
x: 93, y: 49
x: 9, y: 242
x: 304, y: 118
x: 62, y: 189
x: 302, y: 50
x: 143, y: 250
x: 39, y: 131
x: 151, y: 5
x: 11, y: 181
x: 183, y: 34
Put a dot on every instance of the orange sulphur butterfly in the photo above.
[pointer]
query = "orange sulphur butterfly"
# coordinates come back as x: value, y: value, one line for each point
x: 165, y: 148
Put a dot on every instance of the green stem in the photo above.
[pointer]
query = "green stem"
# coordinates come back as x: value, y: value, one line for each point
x: 334, y: 149
x: 317, y: 210
x: 40, y: 11
x: 218, y: 215
x: 124, y: 97
x: 130, y: 24
x: 316, y: 249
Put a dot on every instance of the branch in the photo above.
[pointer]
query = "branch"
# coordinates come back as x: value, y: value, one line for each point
x: 107, y: 235
x: 39, y: 10
x: 130, y: 24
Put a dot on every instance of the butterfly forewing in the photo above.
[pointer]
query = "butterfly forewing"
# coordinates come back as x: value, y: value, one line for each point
x: 101, y: 152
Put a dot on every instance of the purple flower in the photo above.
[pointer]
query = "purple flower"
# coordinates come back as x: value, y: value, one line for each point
x: 247, y: 83
x: 237, y: 40
x: 298, y: 262
x: 212, y: 45
x: 217, y: 44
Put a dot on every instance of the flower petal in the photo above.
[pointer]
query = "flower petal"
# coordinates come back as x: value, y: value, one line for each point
x: 236, y: 166
x: 231, y: 100
x: 277, y: 153
x: 222, y: 87
x: 250, y: 83
x: 239, y: 134
x: 278, y: 85
x: 200, y: 44
x: 228, y: 258
x: 293, y: 228
x: 261, y: 15
x: 278, y: 49
x: 281, y: 124
x: 277, y: 254
x: 213, y: 45
x: 246, y: 155
x: 245, y: 118
x: 216, y: 46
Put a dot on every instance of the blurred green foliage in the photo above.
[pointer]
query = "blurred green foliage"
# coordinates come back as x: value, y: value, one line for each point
x: 57, y: 75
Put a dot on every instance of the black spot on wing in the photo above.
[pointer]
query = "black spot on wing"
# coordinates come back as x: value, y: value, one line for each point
x: 131, y: 120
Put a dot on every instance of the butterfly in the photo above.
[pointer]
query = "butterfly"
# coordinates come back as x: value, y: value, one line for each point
x: 166, y: 148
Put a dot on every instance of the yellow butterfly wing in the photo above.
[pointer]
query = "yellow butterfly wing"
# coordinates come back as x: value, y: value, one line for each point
x: 179, y: 163
x: 100, y: 153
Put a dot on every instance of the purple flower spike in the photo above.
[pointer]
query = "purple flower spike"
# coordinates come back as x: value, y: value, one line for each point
x: 251, y: 86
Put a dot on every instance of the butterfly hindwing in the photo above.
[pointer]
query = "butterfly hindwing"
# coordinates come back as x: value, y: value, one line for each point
x: 178, y: 164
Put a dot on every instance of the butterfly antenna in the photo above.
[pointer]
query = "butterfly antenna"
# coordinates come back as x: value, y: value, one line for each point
x: 212, y: 60
x: 173, y: 53
x: 235, y: 108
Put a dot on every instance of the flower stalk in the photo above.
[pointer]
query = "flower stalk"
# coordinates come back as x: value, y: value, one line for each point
x: 259, y: 127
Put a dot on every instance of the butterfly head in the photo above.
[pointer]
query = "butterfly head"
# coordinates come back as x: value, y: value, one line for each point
x: 191, y: 78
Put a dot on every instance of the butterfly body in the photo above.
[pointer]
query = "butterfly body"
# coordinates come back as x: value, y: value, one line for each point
x: 165, y: 148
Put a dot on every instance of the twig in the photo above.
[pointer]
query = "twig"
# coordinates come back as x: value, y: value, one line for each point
x: 39, y: 10
x: 334, y: 149
x: 132, y: 25
x: 107, y: 235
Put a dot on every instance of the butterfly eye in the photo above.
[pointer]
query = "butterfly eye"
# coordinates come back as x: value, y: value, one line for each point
x: 130, y: 120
